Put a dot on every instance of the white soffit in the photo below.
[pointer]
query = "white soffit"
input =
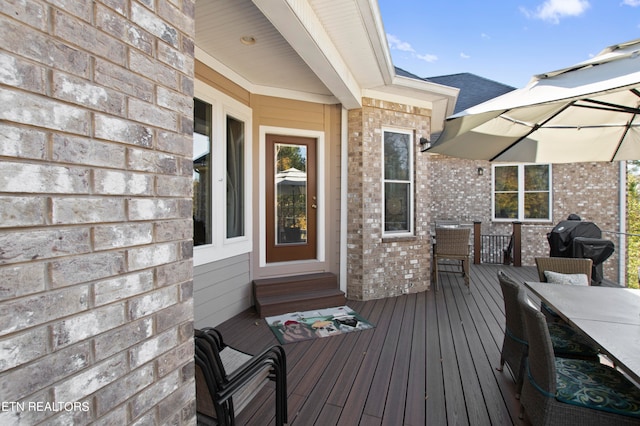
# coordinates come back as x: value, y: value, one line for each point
x: 270, y: 66
x: 300, y: 26
x: 355, y: 28
x: 328, y: 51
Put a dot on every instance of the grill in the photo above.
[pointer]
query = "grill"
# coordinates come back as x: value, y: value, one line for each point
x: 581, y: 239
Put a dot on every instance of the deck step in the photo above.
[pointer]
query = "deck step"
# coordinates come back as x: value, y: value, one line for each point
x: 276, y: 296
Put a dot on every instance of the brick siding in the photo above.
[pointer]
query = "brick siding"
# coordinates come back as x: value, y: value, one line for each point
x: 96, y: 303
x: 380, y: 267
x: 590, y: 190
x: 448, y: 188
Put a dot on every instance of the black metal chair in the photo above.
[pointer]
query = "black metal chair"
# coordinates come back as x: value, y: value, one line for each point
x: 228, y: 379
x: 559, y: 391
x: 566, y: 342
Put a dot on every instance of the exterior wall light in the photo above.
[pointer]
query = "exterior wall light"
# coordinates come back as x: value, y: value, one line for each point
x: 480, y: 171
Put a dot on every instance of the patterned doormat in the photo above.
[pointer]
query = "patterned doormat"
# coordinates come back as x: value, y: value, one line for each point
x: 298, y: 326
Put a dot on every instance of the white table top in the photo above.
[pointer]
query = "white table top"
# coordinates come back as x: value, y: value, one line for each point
x: 609, y: 316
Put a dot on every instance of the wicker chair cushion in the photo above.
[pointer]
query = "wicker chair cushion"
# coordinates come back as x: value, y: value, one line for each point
x: 569, y: 343
x: 596, y: 386
x: 571, y: 279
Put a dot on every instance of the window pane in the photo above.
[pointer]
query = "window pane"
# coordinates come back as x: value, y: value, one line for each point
x: 396, y: 206
x: 536, y: 178
x: 235, y: 178
x: 536, y: 205
x: 396, y: 156
x: 506, y: 206
x: 291, y: 194
x: 506, y: 178
x: 201, y: 173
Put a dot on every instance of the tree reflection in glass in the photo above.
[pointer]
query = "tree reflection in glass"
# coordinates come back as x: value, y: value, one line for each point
x: 291, y: 193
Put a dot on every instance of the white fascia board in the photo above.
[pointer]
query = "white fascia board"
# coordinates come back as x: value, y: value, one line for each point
x: 439, y: 92
x: 426, y: 86
x: 438, y: 98
x: 441, y: 110
x: 415, y: 92
x: 298, y: 24
x: 370, y: 12
x: 257, y: 89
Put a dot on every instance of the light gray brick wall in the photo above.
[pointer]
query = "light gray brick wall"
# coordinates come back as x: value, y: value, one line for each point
x: 590, y: 190
x: 384, y: 267
x: 96, y: 296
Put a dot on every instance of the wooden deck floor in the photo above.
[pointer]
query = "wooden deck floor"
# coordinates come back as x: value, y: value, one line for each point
x: 430, y: 360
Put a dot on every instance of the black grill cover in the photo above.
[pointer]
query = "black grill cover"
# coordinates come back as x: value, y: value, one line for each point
x: 595, y: 249
x: 562, y: 235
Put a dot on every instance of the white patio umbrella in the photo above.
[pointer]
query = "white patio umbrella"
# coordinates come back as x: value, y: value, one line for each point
x: 587, y: 112
x: 291, y: 177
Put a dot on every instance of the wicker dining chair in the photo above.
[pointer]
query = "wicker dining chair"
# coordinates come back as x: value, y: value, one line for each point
x: 566, y: 342
x: 559, y: 391
x: 451, y: 244
x: 561, y: 265
x: 228, y: 379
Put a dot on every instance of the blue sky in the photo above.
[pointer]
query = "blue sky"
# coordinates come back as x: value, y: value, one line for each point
x: 503, y: 40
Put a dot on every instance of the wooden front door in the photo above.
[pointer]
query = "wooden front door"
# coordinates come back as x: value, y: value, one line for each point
x: 292, y: 202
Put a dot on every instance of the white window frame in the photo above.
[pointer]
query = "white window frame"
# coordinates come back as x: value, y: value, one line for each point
x: 222, y: 247
x: 521, y: 192
x: 411, y: 182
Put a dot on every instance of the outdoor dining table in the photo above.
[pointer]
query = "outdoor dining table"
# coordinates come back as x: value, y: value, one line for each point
x: 609, y: 316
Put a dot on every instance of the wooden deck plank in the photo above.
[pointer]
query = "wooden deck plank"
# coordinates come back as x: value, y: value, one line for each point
x: 430, y: 360
x: 380, y: 384
x: 329, y: 416
x: 473, y: 398
x: 483, y: 351
x: 394, y: 409
x: 362, y: 384
x: 456, y: 408
x: 323, y: 385
x: 416, y: 389
x: 343, y: 386
x: 435, y: 403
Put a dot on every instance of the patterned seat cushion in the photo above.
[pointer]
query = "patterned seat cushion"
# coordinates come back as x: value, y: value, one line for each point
x: 569, y: 343
x: 597, y: 386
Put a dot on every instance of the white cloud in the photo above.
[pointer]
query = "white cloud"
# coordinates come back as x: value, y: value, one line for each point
x: 427, y: 57
x: 464, y: 55
x: 632, y: 3
x: 553, y: 10
x: 396, y: 44
x: 486, y: 36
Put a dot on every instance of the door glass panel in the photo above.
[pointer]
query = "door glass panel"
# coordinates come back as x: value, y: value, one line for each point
x: 201, y: 173
x: 290, y: 193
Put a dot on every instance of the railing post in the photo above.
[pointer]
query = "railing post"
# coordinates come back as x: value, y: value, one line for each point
x: 517, y: 243
x: 477, y: 249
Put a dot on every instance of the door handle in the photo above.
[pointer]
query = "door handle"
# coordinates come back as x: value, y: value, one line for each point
x: 313, y: 206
